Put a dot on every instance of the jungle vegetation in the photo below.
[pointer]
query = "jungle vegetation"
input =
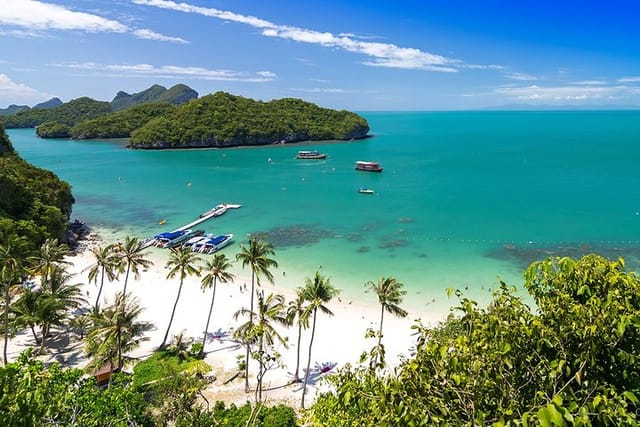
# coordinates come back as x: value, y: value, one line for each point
x: 34, y: 203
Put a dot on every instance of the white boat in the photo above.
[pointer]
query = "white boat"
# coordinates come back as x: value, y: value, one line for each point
x: 368, y: 166
x: 215, y: 243
x: 365, y: 190
x: 195, y: 240
x: 215, y: 211
x: 174, y: 238
x: 314, y: 155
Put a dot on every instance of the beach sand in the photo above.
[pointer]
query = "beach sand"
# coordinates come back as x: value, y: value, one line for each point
x: 339, y: 339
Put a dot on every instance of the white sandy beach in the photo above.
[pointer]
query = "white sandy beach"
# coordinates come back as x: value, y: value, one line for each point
x: 338, y: 339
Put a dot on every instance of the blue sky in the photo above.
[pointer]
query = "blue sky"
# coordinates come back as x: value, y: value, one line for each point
x: 357, y: 55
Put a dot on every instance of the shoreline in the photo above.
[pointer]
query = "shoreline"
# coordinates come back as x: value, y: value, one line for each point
x: 338, y: 340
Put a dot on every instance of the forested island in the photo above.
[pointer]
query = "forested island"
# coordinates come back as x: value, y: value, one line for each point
x: 34, y: 203
x: 225, y: 120
x: 157, y: 118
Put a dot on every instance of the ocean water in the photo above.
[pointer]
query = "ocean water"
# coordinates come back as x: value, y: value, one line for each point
x: 466, y: 198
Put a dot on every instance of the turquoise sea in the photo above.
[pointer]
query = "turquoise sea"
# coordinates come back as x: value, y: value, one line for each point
x: 465, y: 198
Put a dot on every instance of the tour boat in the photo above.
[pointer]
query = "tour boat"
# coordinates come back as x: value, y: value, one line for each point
x: 310, y: 155
x: 368, y: 166
x: 174, y: 238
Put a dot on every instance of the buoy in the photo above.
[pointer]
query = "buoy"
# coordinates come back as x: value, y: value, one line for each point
x: 162, y: 221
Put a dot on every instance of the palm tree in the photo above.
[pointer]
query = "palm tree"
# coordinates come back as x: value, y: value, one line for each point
x: 106, y: 262
x: 58, y: 297
x: 256, y: 255
x: 132, y: 259
x: 297, y: 309
x: 25, y: 311
x: 318, y: 291
x: 50, y: 255
x: 14, y: 258
x: 181, y: 261
x: 216, y: 270
x: 116, y: 330
x: 390, y: 294
x: 270, y: 311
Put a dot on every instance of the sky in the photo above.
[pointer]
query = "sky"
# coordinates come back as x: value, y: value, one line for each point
x: 349, y: 54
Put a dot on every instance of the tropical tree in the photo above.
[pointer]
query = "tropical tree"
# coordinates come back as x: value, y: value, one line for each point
x: 106, y: 263
x: 182, y: 262
x: 14, y: 258
x: 215, y: 269
x: 390, y: 294
x: 116, y: 330
x: 50, y: 255
x: 257, y: 256
x: 317, y: 291
x: 132, y: 259
x: 271, y: 311
x: 298, y: 312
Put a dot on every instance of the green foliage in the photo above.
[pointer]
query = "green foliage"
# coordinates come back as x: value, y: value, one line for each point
x: 177, y: 94
x: 222, y: 119
x: 262, y: 416
x: 32, y: 394
x: 53, y: 129
x: 575, y: 362
x: 69, y: 114
x: 121, y: 123
x: 34, y: 202
x: 165, y: 361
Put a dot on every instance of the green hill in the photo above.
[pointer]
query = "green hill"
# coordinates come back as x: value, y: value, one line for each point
x: 121, y: 123
x: 12, y: 109
x: 68, y: 114
x: 52, y: 103
x: 34, y: 202
x: 178, y: 94
x: 222, y: 120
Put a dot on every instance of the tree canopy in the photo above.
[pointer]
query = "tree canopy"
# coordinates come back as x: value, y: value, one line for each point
x: 68, y: 114
x: 222, y: 119
x: 34, y: 202
x: 571, y: 361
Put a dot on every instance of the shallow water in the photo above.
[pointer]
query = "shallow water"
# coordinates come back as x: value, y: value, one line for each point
x: 465, y: 197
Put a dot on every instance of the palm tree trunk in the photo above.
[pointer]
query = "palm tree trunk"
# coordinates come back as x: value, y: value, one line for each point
x: 246, y: 361
x: 297, y: 377
x: 100, y: 290
x: 7, y: 300
x: 119, y: 346
x: 378, y: 355
x: 261, y: 368
x: 126, y: 279
x: 173, y: 312
x: 206, y: 328
x: 45, y: 332
x: 33, y: 331
x: 306, y: 375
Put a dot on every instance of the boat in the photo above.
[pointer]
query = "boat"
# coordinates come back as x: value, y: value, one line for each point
x: 365, y: 190
x: 368, y: 166
x: 215, y: 211
x: 171, y: 239
x: 214, y: 244
x: 315, y: 155
x: 196, y: 240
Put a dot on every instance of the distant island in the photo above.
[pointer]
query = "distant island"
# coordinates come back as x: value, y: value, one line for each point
x: 159, y: 118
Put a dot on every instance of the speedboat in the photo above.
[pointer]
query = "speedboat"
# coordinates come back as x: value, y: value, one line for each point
x: 214, y: 244
x: 365, y: 190
x: 171, y: 239
x: 215, y: 211
x: 195, y: 240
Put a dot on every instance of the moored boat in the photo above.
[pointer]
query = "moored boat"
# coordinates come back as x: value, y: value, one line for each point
x: 214, y: 244
x: 171, y: 239
x: 368, y: 166
x: 313, y: 154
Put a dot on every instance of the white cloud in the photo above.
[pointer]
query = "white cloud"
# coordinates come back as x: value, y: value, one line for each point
x: 170, y: 71
x: 321, y: 90
x: 381, y: 54
x: 36, y: 15
x: 564, y: 93
x: 520, y: 76
x: 16, y: 93
x: 629, y: 80
x: 591, y: 82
